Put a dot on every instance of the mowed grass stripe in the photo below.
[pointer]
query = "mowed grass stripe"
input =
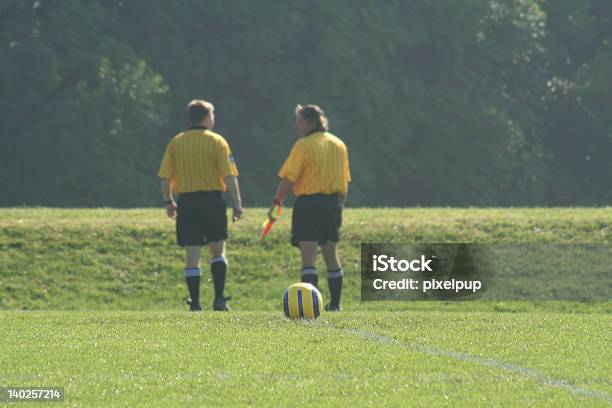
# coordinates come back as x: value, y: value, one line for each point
x: 238, y: 359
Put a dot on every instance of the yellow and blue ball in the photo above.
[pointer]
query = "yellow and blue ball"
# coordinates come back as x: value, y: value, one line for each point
x: 302, y: 301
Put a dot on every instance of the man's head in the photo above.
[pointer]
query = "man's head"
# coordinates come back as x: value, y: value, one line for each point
x: 310, y: 118
x: 201, y: 113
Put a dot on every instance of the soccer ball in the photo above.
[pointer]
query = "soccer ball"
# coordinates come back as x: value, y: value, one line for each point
x: 302, y: 301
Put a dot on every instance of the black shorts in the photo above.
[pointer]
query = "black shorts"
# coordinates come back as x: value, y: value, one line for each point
x: 316, y: 217
x: 201, y: 218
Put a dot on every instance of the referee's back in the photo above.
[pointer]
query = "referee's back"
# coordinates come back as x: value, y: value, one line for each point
x: 198, y: 160
x: 318, y: 164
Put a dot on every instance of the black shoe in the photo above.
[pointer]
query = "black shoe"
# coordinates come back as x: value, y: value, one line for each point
x: 192, y: 307
x: 332, y: 308
x: 221, y: 305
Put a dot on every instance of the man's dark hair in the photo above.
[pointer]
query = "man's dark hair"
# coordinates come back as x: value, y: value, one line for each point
x: 315, y: 115
x: 198, y: 110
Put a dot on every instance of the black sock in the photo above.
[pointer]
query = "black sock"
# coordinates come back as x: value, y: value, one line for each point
x: 310, y: 275
x: 192, y: 277
x: 334, y: 280
x: 218, y: 269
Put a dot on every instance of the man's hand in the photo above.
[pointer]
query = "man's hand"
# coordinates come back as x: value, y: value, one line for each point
x: 275, y: 210
x: 237, y: 212
x: 272, y: 213
x: 232, y: 186
x: 171, y: 210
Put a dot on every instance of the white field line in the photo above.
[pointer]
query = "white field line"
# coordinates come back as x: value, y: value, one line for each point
x: 490, y: 362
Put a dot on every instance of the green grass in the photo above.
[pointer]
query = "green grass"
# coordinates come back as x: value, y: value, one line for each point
x: 108, y: 259
x: 351, y: 359
x: 92, y: 300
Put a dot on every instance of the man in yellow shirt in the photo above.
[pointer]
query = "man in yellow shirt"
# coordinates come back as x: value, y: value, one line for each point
x: 198, y: 166
x: 318, y: 171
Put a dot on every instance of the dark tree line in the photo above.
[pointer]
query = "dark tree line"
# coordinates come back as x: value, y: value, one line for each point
x: 474, y: 102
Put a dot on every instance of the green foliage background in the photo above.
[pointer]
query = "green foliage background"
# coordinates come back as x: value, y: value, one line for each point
x: 478, y: 102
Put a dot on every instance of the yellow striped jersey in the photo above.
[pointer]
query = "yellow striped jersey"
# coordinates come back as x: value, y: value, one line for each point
x: 318, y: 164
x: 197, y: 160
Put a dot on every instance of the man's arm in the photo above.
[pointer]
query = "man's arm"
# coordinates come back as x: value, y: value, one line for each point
x: 234, y: 189
x: 343, y: 197
x: 168, y: 198
x: 284, y: 186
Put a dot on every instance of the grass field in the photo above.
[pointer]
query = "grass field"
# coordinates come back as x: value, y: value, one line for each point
x: 92, y: 300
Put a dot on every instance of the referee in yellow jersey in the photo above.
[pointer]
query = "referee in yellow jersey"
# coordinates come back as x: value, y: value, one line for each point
x: 198, y: 166
x: 318, y: 170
